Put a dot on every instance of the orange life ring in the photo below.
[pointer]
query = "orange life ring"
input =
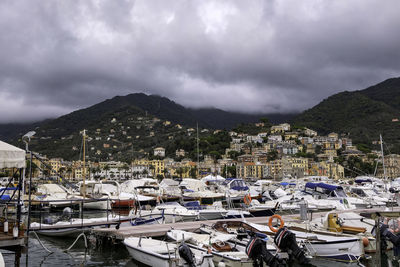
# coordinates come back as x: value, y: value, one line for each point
x: 282, y: 223
x: 247, y: 199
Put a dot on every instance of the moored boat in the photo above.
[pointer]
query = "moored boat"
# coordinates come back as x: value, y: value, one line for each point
x: 160, y: 253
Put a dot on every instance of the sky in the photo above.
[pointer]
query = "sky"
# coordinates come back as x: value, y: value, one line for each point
x: 253, y: 56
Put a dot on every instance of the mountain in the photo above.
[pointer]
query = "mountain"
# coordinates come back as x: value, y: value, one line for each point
x: 132, y: 124
x: 362, y: 114
x: 157, y: 106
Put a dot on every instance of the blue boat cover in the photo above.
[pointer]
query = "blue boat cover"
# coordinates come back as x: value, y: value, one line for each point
x: 286, y: 183
x: 8, y: 188
x: 322, y: 185
x: 192, y: 204
x: 5, y: 197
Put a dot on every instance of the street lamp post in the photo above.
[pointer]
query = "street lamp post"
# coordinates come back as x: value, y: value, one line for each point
x: 26, y: 139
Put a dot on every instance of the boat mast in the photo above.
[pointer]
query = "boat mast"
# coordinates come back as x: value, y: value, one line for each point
x: 383, y: 160
x: 198, y: 158
x: 84, y: 163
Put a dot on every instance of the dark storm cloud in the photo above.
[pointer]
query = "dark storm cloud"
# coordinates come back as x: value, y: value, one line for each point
x: 251, y: 56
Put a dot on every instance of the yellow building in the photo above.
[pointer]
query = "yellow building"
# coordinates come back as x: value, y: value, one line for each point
x: 251, y: 170
x: 333, y: 136
x: 331, y: 152
x: 182, y: 169
x: 78, y: 173
x: 392, y: 164
x: 158, y: 167
x: 284, y: 127
x: 300, y: 163
x: 327, y: 168
x: 310, y: 148
x: 37, y: 166
x: 143, y: 162
x: 291, y: 136
x: 55, y: 165
x: 275, y: 168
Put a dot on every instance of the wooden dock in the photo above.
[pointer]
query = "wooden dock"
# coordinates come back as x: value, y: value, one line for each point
x: 110, y: 222
x: 8, y: 241
x: 153, y: 230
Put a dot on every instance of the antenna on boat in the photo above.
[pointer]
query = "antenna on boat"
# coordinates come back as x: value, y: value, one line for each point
x: 198, y: 158
x: 84, y: 164
x: 383, y: 162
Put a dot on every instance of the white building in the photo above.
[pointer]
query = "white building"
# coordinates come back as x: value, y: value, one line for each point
x: 275, y: 138
x: 159, y: 151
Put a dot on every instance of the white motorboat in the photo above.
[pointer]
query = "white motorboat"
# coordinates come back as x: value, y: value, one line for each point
x: 56, y: 195
x: 194, y: 189
x: 235, y: 258
x: 160, y: 253
x: 173, y: 212
x: 93, y: 196
x: 334, y: 247
x: 207, y: 212
x: 74, y: 227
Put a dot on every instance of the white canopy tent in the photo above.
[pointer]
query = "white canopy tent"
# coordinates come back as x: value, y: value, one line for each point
x: 11, y: 156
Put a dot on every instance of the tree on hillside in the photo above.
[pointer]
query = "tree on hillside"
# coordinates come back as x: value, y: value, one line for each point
x: 159, y: 177
x: 229, y: 171
x: 61, y: 171
x: 272, y: 155
x: 165, y: 172
x: 193, y: 172
x: 179, y: 171
x: 69, y: 171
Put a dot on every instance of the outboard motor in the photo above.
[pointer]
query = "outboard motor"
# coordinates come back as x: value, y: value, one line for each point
x: 66, y: 215
x: 187, y: 255
x: 286, y: 241
x: 387, y: 235
x: 257, y: 251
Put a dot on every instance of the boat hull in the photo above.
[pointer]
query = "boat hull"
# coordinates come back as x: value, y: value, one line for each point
x: 204, y: 215
x: 262, y: 212
x: 149, y: 258
x: 345, y: 250
x: 123, y: 204
x: 141, y: 221
x: 70, y: 232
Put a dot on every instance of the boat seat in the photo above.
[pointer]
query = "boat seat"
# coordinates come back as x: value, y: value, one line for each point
x: 353, y: 229
x: 162, y: 249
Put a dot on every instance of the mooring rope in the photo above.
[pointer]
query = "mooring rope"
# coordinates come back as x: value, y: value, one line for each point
x: 73, y: 244
x: 40, y: 242
x: 76, y: 240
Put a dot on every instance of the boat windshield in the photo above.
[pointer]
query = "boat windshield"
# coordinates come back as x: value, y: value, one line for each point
x: 370, y: 192
x: 340, y: 193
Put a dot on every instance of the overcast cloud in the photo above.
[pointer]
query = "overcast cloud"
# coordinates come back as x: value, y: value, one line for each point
x: 250, y: 56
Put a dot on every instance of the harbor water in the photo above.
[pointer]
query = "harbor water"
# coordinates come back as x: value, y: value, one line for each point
x: 115, y: 255
x: 107, y: 255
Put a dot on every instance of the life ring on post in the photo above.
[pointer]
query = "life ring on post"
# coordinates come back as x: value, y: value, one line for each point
x: 281, y: 224
x: 247, y: 199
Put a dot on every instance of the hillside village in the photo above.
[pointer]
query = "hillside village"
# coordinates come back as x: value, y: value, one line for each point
x: 252, y: 151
